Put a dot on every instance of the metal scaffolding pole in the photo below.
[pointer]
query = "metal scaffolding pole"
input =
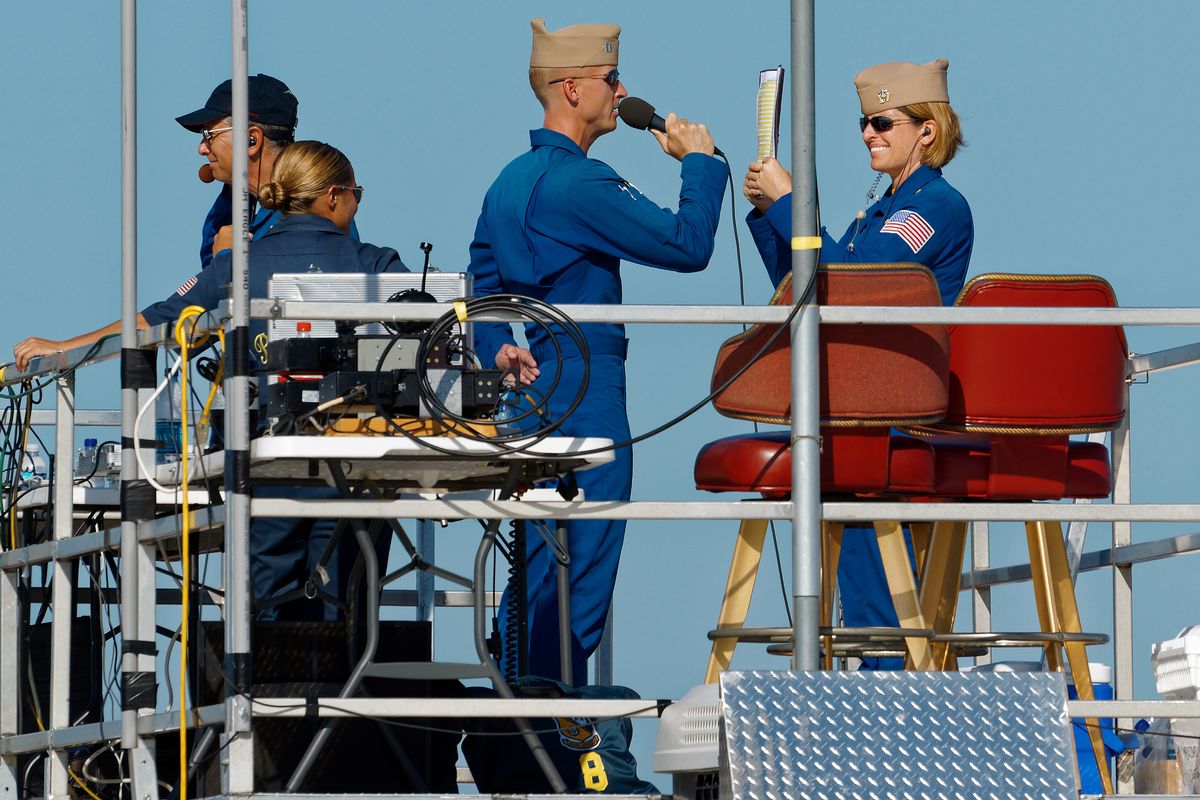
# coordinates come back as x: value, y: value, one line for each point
x: 806, y: 454
x: 238, y: 774
x: 138, y: 688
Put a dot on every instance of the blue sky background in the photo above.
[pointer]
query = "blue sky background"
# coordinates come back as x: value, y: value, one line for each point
x: 1080, y: 119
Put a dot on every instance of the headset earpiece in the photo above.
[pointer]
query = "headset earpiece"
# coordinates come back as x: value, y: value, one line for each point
x: 926, y: 132
x: 254, y: 141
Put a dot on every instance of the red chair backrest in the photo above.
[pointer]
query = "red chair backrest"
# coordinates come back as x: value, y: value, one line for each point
x: 875, y: 375
x: 1040, y: 378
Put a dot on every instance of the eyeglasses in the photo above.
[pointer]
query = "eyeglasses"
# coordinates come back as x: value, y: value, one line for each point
x: 356, y: 190
x: 208, y: 134
x: 883, y: 124
x: 612, y: 78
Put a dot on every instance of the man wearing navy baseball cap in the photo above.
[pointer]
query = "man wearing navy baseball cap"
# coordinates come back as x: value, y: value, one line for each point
x: 272, y: 111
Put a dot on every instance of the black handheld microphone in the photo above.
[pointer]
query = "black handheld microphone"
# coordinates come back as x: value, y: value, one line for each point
x: 637, y: 113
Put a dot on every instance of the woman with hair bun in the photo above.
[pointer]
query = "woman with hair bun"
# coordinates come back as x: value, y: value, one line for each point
x: 313, y: 185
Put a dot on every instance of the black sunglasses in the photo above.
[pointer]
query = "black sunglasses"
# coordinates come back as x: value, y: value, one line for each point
x: 357, y: 191
x: 883, y: 124
x: 612, y: 78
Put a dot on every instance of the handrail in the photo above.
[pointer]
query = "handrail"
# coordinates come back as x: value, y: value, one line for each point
x: 708, y: 314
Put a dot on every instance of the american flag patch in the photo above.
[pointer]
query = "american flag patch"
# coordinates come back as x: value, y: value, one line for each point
x: 911, y: 227
x: 186, y: 287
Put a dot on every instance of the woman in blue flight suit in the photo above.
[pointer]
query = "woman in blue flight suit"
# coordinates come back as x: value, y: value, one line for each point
x: 911, y: 132
x: 313, y: 186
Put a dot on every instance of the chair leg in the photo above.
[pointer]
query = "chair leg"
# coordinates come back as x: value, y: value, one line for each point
x: 831, y: 552
x: 1043, y: 592
x: 922, y: 535
x: 1066, y: 613
x: 940, y: 578
x: 903, y: 588
x: 743, y: 570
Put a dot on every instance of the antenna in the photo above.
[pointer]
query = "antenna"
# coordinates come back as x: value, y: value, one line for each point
x: 426, y: 248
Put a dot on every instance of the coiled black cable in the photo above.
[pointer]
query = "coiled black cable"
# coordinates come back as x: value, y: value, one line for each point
x: 539, y: 313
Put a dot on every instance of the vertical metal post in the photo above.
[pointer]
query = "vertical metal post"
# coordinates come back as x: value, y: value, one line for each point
x: 1122, y: 577
x: 981, y: 596
x: 63, y: 585
x: 238, y: 756
x: 603, y: 658
x: 137, y: 656
x: 806, y: 453
x: 426, y: 545
x: 10, y: 696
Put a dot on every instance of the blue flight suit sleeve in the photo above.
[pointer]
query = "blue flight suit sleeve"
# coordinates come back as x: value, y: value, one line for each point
x: 772, y: 234
x: 615, y: 218
x: 380, y: 259
x: 205, y: 289
x: 220, y: 215
x: 489, y: 336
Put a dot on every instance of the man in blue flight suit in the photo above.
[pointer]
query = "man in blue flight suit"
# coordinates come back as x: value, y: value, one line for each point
x: 272, y: 112
x: 555, y: 225
x: 911, y: 132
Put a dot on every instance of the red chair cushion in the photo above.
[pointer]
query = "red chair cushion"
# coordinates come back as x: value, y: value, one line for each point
x: 850, y: 463
x: 1049, y: 469
x: 1037, y: 376
x: 874, y: 374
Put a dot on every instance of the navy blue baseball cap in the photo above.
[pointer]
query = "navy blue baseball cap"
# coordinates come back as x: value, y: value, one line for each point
x: 271, y: 103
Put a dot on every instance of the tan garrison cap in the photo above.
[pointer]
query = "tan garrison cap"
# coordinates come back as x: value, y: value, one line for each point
x: 574, y: 45
x: 900, y: 84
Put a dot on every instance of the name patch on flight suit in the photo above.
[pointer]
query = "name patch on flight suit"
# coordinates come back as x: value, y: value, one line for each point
x: 631, y: 190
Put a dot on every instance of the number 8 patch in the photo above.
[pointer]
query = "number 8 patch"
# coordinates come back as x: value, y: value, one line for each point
x: 595, y: 779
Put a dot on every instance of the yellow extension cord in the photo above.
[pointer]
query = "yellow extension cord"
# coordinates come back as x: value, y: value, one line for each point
x: 181, y: 338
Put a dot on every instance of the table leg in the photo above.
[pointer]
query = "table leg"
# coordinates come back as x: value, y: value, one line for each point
x: 564, y: 606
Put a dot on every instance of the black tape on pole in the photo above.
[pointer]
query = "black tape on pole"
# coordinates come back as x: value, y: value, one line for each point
x: 137, y: 368
x: 127, y: 443
x: 237, y: 353
x: 139, y: 648
x: 237, y: 471
x: 138, y: 691
x: 137, y: 500
x: 237, y: 669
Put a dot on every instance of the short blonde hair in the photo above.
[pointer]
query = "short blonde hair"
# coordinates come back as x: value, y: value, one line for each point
x: 302, y: 173
x: 949, y: 133
x: 539, y: 81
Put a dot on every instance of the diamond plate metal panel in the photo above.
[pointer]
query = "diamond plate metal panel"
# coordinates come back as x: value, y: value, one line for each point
x: 903, y: 735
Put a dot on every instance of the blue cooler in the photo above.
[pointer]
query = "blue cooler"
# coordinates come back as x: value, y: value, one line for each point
x: 1089, y: 778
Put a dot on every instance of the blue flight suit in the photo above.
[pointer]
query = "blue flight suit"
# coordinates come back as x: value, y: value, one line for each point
x: 284, y: 552
x: 947, y: 252
x: 555, y: 225
x: 221, y: 214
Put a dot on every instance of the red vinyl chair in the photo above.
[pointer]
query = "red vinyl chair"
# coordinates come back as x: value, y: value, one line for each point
x: 873, y: 377
x: 1017, y: 395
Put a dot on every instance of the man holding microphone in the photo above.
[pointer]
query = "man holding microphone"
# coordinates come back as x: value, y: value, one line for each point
x: 555, y: 225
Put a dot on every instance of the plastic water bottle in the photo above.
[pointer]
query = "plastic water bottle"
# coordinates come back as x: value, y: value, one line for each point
x: 167, y: 421
x: 85, y: 460
x: 507, y: 410
x: 33, y: 465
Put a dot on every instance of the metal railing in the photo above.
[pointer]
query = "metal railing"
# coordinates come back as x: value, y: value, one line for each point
x: 65, y: 549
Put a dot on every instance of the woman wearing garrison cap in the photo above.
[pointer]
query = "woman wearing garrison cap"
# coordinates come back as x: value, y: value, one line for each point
x: 910, y: 132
